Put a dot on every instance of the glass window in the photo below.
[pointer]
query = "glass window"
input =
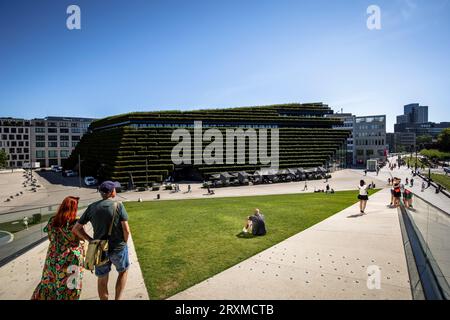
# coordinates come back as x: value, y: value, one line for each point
x: 52, y: 130
x: 40, y: 144
x: 64, y: 144
x: 52, y: 138
x: 64, y: 153
x: 53, y: 144
x: 40, y: 138
x: 64, y: 130
x: 40, y: 154
x: 52, y: 154
x: 39, y: 130
x: 75, y: 138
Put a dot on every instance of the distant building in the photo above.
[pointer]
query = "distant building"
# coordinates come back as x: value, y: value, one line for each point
x: 349, y: 121
x: 370, y: 139
x: 416, y: 113
x: 415, y: 120
x: 367, y: 139
x: 47, y: 141
x: 401, y: 142
x: 54, y: 138
x: 15, y: 140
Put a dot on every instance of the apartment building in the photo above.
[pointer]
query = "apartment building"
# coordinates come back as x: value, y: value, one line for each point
x: 15, y: 140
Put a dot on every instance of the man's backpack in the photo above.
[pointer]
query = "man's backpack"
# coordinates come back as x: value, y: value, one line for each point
x: 96, y: 253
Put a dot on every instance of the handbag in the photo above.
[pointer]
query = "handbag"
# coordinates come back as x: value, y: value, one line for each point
x: 96, y: 254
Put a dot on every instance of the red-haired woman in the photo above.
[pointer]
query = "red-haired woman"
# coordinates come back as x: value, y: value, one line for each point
x: 63, y: 273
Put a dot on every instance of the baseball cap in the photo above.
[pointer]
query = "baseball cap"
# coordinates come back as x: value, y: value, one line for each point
x: 108, y: 186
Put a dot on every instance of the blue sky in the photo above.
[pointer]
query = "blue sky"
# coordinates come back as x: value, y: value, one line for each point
x: 142, y: 55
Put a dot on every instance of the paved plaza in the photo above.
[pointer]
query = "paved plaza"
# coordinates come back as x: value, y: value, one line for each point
x: 327, y: 261
x: 330, y: 260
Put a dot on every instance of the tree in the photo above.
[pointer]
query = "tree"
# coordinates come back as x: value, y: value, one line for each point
x: 424, y: 139
x: 444, y: 140
x: 3, y: 159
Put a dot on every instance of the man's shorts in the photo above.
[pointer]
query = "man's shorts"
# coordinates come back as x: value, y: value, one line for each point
x: 118, y: 258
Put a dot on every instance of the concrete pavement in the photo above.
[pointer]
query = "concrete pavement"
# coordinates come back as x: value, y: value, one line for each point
x: 20, y: 277
x: 330, y: 260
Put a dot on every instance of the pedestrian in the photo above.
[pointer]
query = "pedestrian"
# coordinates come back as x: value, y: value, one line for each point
x: 397, y: 192
x: 363, y: 196
x: 423, y: 186
x: 365, y: 172
x: 407, y: 198
x: 412, y: 182
x: 189, y: 188
x: 306, y: 186
x: 407, y: 181
x: 63, y: 267
x: 109, y: 220
x: 389, y: 181
x: 327, y: 188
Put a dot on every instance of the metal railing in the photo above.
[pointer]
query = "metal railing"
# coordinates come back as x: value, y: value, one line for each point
x: 431, y: 228
x: 23, y: 229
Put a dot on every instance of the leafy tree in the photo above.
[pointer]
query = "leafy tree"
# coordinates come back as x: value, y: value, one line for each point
x: 444, y: 140
x: 3, y: 159
x: 424, y: 139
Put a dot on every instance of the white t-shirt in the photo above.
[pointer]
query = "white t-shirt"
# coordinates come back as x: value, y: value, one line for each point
x: 363, y: 190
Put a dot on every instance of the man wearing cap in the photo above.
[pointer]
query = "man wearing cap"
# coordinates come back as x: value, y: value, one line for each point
x: 100, y: 215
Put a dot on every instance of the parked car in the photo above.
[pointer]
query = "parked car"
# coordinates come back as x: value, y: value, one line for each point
x: 56, y: 168
x: 90, y: 181
x: 447, y: 170
x: 70, y: 173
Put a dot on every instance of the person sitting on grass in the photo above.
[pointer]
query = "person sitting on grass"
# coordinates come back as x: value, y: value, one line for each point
x: 255, y: 224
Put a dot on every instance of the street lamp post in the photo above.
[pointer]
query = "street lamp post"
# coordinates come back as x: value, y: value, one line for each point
x: 415, y: 166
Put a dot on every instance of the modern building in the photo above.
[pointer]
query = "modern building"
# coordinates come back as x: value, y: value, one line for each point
x: 415, y: 120
x: 138, y: 146
x: 15, y: 140
x: 348, y: 123
x: 401, y: 142
x: 54, y: 138
x: 48, y: 141
x: 416, y: 113
x: 370, y: 139
x: 422, y: 129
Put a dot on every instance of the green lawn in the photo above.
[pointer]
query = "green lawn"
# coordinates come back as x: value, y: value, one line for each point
x: 442, y: 179
x: 17, y: 225
x: 181, y: 242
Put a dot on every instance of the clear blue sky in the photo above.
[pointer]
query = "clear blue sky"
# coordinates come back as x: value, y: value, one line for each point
x: 148, y: 55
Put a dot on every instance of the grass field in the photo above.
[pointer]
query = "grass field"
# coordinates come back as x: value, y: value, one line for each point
x: 182, y: 242
x: 442, y: 179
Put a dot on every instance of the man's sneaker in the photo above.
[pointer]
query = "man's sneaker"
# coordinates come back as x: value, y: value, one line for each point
x: 244, y: 230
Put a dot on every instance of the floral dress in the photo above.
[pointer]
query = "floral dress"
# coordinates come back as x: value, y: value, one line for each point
x: 63, y: 269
